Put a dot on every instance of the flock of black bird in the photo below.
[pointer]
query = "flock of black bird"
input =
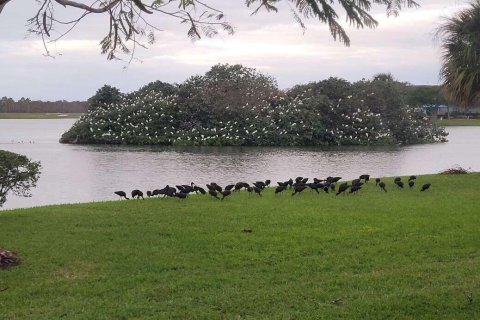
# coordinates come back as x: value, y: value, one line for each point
x: 299, y: 185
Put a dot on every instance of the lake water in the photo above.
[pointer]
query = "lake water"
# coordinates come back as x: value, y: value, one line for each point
x: 73, y: 173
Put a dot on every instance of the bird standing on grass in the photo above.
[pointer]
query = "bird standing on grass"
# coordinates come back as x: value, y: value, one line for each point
x: 280, y: 189
x: 342, y: 188
x: 355, y: 188
x: 121, y: 194
x: 181, y: 195
x: 426, y: 186
x: 214, y: 194
x: 382, y: 186
x: 199, y: 189
x: 299, y: 189
x: 138, y: 194
x: 257, y: 190
x: 225, y: 193
x: 365, y: 177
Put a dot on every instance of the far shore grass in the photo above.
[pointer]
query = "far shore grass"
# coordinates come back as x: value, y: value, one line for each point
x: 403, y: 254
x: 457, y: 122
x: 5, y: 115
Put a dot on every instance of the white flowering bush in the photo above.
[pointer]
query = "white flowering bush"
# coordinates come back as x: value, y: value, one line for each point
x: 236, y: 106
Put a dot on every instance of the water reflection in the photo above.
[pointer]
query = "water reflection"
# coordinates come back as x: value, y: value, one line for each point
x: 89, y: 173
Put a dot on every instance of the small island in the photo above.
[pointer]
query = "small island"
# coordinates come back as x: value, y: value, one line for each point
x: 232, y: 105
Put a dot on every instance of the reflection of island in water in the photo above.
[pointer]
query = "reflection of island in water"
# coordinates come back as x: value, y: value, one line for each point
x: 88, y: 173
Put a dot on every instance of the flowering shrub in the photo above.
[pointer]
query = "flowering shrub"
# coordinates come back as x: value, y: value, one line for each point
x: 234, y: 105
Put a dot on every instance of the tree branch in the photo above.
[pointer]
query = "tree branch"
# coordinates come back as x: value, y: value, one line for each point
x: 2, y: 4
x: 105, y: 8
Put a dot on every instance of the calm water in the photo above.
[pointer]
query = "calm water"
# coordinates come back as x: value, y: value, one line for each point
x: 92, y: 173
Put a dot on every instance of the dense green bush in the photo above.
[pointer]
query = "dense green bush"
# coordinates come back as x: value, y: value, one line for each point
x: 18, y: 175
x: 234, y: 105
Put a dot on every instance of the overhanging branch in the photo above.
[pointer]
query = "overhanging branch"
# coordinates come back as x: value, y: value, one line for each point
x: 103, y: 9
x: 2, y: 4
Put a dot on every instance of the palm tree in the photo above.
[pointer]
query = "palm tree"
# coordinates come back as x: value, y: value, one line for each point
x: 460, y: 71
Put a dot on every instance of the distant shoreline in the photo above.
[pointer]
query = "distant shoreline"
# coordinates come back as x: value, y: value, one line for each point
x: 41, y: 115
x: 458, y: 122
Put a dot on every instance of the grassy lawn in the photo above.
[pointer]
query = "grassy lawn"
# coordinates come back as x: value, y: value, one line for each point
x: 404, y: 254
x: 39, y: 115
x: 458, y: 122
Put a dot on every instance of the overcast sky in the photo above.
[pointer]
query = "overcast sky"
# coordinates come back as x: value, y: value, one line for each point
x: 270, y: 42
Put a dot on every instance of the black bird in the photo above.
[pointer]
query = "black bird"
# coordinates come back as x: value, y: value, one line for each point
x: 149, y: 193
x: 397, y: 179
x: 214, y: 194
x: 304, y: 180
x: 355, y: 181
x: 171, y: 191
x: 257, y: 190
x: 399, y: 184
x: 377, y: 181
x: 314, y: 186
x: 342, y: 188
x: 121, y: 194
x: 181, y: 195
x: 229, y: 187
x: 298, y: 179
x: 250, y: 189
x: 336, y: 179
x: 210, y: 187
x: 299, y: 188
x: 137, y: 193
x: 282, y: 184
x: 290, y: 182
x: 412, y: 178
x: 156, y: 192
x: 187, y: 188
x: 426, y: 186
x: 200, y: 189
x: 239, y: 186
x: 267, y: 182
x: 259, y: 184
x: 382, y: 186
x: 411, y: 183
x: 365, y: 177
x: 325, y: 188
x: 225, y: 193
x: 355, y: 188
x: 168, y: 191
x: 280, y: 189
x: 216, y: 187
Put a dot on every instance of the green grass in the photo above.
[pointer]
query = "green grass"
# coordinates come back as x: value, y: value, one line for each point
x: 458, y: 122
x: 404, y: 254
x: 39, y: 115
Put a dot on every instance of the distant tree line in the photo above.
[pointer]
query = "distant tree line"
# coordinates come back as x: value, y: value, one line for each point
x: 25, y: 105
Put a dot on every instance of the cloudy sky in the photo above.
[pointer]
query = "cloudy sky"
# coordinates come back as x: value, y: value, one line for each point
x: 271, y: 42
